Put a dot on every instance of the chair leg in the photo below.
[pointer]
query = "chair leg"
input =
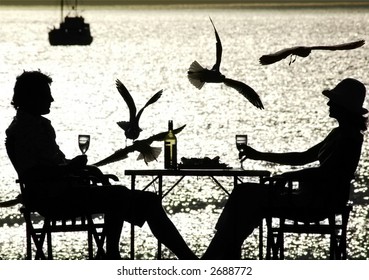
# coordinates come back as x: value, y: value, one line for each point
x: 274, y: 246
x: 275, y: 240
x: 338, y: 237
x: 333, y: 247
x: 343, y: 245
x: 90, y: 245
x: 270, y: 238
x: 27, y: 218
x: 278, y: 248
x: 336, y: 229
x: 280, y: 242
x: 261, y: 240
x: 38, y: 238
x: 99, y: 238
x: 38, y: 235
x: 278, y: 245
x: 49, y: 246
x: 339, y: 247
x: 28, y: 245
x: 341, y: 250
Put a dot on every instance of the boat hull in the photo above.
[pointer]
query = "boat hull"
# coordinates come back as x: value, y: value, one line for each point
x: 60, y: 37
x: 73, y: 31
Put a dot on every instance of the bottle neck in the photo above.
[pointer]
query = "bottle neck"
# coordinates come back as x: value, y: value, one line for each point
x: 170, y: 125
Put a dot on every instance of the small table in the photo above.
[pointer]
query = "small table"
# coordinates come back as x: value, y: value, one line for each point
x: 158, y: 175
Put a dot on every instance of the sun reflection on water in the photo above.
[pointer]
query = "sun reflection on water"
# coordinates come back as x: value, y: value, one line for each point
x: 153, y: 52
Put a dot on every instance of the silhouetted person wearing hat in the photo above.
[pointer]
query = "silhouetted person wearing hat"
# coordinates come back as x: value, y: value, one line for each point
x: 322, y: 186
x: 49, y: 176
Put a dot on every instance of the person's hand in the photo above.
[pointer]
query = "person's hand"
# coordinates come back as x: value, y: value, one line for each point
x: 94, y: 171
x: 77, y: 163
x: 279, y: 182
x: 248, y: 152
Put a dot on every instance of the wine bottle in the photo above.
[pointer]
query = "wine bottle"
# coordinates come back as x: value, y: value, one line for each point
x: 170, y: 148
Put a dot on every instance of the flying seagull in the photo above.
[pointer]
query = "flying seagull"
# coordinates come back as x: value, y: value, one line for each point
x: 199, y: 75
x: 305, y: 51
x: 131, y: 128
x: 147, y: 153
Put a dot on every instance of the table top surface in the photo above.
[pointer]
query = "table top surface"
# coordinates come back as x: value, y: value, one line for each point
x: 198, y: 172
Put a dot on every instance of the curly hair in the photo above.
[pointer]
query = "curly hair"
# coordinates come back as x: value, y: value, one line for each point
x: 27, y: 86
x: 356, y: 120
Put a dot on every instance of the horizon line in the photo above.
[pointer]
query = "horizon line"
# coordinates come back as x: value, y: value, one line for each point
x: 275, y: 3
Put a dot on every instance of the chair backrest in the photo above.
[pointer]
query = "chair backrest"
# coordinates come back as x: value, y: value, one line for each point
x: 339, y: 194
x: 9, y: 146
x: 339, y: 201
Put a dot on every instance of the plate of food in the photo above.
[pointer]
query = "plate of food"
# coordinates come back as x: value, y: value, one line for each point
x: 202, y: 163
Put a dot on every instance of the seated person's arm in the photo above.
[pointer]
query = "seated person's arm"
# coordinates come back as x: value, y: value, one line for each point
x: 52, y: 172
x: 291, y: 158
x: 306, y: 174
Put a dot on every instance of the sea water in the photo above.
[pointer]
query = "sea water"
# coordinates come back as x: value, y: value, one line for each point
x: 152, y: 49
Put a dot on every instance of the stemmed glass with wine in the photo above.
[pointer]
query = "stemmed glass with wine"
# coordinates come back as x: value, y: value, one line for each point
x: 83, y: 142
x: 241, y: 143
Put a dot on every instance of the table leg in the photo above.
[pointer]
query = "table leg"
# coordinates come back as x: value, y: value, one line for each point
x: 261, y: 240
x: 160, y: 193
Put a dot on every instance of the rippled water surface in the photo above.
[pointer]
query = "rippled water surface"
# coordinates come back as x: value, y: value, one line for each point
x: 150, y: 50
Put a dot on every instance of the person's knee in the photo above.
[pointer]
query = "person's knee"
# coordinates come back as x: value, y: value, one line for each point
x: 249, y: 189
x: 152, y: 199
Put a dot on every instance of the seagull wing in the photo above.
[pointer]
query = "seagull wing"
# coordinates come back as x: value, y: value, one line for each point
x: 127, y: 98
x: 246, y: 91
x: 305, y: 51
x: 147, y: 152
x: 218, y: 47
x: 160, y: 136
x: 151, y: 101
x: 345, y: 46
x: 279, y: 55
x: 117, y: 156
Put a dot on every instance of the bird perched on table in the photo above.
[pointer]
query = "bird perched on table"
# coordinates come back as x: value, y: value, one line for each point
x: 303, y: 51
x: 131, y: 128
x: 147, y: 153
x: 199, y: 75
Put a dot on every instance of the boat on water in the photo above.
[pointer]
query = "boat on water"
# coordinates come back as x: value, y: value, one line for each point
x: 73, y: 30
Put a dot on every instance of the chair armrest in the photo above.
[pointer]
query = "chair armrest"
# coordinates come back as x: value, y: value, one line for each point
x: 95, y: 175
x: 105, y: 179
x: 280, y: 182
x: 273, y: 179
x: 111, y: 177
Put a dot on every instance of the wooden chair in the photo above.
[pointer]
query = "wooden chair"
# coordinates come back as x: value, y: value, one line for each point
x: 332, y: 222
x: 40, y: 228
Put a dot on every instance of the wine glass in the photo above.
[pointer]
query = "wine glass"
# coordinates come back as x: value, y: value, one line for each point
x: 83, y: 142
x: 241, y: 143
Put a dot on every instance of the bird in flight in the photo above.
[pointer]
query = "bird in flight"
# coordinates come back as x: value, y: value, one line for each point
x: 304, y: 51
x: 199, y: 75
x: 147, y: 153
x: 131, y: 128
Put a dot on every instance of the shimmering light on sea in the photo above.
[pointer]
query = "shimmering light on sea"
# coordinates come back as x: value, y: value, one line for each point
x: 154, y: 51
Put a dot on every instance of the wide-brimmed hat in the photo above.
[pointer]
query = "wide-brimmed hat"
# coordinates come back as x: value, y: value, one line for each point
x: 350, y: 94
